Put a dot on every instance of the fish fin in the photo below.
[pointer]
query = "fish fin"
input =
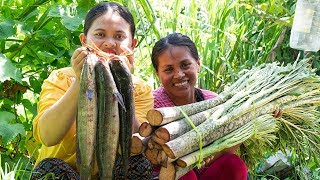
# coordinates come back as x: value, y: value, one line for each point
x: 120, y: 100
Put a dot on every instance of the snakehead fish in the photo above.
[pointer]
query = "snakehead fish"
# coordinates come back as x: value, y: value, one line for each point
x: 123, y: 80
x: 87, y: 118
x: 108, y: 120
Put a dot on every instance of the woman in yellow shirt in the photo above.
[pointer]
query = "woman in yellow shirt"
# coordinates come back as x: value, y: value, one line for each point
x: 110, y: 27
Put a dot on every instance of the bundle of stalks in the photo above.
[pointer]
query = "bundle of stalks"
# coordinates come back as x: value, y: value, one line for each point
x: 243, y: 114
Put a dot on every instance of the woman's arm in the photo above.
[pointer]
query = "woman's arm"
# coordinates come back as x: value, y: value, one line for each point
x: 58, y: 119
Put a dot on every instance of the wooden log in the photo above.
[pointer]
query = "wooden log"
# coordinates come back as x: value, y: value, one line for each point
x: 164, y: 115
x: 177, y: 128
x: 155, y: 153
x: 153, y: 145
x: 146, y: 129
x: 167, y: 173
x: 158, y: 140
x: 181, y: 163
x: 138, y: 143
x: 164, y: 159
x: 152, y: 155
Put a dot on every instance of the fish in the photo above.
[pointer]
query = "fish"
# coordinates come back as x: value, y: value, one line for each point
x: 108, y: 120
x: 86, y: 121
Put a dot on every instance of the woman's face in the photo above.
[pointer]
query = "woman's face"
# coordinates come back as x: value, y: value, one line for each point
x: 108, y: 32
x: 178, y: 72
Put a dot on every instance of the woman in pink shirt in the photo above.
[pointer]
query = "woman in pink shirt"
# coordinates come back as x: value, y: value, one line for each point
x: 176, y: 62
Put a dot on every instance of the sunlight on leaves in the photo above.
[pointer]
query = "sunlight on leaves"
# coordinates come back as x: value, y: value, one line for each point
x: 9, y: 131
x: 8, y: 70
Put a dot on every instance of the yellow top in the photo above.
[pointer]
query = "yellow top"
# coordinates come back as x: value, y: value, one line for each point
x: 53, y: 88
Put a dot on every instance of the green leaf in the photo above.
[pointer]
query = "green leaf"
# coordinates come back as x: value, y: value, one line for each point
x: 7, y: 29
x: 8, y: 70
x: 71, y: 17
x: 28, y: 105
x: 57, y: 11
x: 35, y: 84
x: 9, y: 131
x: 71, y: 23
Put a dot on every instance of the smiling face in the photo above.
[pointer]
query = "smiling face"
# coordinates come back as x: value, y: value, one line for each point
x: 108, y: 32
x: 178, y: 72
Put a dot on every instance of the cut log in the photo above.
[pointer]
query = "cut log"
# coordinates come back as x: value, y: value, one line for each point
x: 158, y: 140
x: 146, y: 129
x: 164, y: 115
x: 181, y: 163
x: 152, y: 155
x: 167, y: 173
x: 153, y: 145
x: 164, y: 159
x: 138, y: 143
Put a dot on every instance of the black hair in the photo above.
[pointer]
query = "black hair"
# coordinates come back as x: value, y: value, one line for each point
x: 101, y: 8
x: 174, y: 39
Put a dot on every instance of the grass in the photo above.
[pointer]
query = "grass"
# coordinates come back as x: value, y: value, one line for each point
x: 11, y: 170
x: 7, y: 172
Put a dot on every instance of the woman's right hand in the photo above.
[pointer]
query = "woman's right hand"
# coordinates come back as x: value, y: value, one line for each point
x: 77, y: 60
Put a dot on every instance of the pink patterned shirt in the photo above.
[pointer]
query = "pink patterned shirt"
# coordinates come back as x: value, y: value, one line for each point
x: 161, y: 98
